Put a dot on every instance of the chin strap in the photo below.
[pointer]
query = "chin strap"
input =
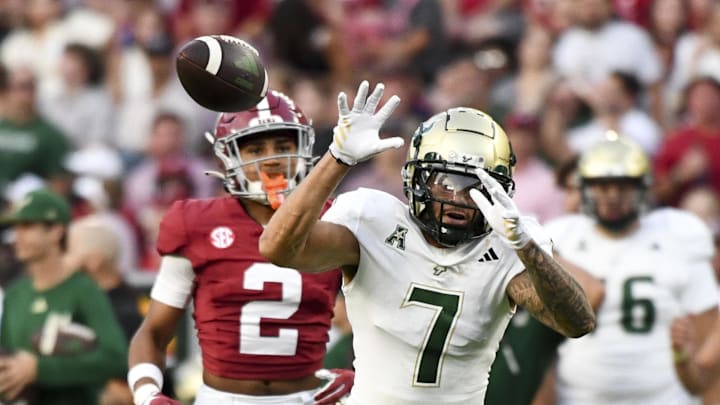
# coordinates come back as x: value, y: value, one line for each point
x: 274, y: 188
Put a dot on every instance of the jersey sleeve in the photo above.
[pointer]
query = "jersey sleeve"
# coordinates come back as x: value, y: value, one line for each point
x: 173, y: 236
x: 696, y: 242
x: 345, y: 210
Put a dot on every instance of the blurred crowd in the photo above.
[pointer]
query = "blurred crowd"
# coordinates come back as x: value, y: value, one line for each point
x: 90, y: 105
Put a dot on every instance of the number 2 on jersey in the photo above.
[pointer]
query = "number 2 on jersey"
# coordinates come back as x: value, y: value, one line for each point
x: 285, y: 343
x: 447, y: 306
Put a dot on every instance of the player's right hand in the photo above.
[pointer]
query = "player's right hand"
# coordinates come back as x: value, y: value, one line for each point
x: 500, y: 211
x: 356, y: 137
x: 160, y: 399
x: 149, y: 394
x: 338, y: 386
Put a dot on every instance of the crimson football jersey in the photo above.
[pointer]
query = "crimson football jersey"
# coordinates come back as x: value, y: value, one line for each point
x: 254, y: 320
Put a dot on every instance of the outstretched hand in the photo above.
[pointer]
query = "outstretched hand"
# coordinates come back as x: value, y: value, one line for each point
x: 356, y: 137
x: 340, y: 381
x: 500, y: 211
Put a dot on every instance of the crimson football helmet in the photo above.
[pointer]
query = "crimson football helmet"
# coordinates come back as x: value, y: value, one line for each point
x: 274, y: 113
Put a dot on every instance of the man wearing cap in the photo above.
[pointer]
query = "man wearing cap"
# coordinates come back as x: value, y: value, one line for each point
x: 58, y: 332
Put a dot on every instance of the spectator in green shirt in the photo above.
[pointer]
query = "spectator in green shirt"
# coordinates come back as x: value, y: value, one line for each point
x: 41, y: 308
x: 28, y: 143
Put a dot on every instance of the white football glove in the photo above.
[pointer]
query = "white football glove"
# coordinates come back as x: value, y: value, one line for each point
x: 501, y: 213
x: 356, y: 137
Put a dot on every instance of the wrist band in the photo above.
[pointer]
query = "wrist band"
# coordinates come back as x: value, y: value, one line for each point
x: 144, y: 392
x: 337, y: 159
x: 679, y: 356
x: 144, y: 370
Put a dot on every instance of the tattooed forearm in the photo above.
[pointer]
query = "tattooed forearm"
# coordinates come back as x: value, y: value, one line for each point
x: 560, y: 294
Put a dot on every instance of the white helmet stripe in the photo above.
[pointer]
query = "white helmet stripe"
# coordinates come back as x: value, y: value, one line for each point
x: 263, y: 110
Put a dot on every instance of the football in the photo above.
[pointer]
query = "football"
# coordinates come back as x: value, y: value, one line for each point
x: 64, y: 340
x: 222, y: 73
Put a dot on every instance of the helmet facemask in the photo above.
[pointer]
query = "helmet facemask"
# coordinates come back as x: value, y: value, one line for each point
x: 275, y: 116
x: 442, y: 204
x: 270, y: 188
x: 620, y: 224
x: 444, y: 154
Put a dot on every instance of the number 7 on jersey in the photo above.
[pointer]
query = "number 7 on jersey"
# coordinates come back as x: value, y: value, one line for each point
x: 447, y: 306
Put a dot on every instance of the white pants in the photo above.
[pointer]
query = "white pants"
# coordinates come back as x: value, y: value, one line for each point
x: 210, y: 396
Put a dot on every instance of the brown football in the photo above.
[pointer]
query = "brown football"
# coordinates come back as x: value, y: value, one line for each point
x: 65, y: 340
x: 222, y: 73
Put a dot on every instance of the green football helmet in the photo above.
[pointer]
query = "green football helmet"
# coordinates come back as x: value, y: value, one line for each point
x: 452, y: 144
x: 615, y: 158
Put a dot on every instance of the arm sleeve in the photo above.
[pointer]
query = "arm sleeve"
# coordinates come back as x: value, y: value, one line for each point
x: 345, y: 210
x: 108, y: 360
x: 174, y: 283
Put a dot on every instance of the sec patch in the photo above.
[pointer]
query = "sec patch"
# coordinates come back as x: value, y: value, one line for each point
x: 222, y: 237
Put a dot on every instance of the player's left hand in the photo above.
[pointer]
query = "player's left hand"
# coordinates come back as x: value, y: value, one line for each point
x: 340, y: 381
x: 16, y: 372
x: 500, y: 211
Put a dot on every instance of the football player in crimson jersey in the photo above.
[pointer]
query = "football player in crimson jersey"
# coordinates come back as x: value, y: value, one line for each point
x: 262, y: 329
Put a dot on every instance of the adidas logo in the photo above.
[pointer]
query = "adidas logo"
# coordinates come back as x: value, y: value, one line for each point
x: 489, y: 256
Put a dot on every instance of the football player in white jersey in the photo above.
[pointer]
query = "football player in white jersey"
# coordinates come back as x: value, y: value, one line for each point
x: 655, y: 265
x: 429, y: 287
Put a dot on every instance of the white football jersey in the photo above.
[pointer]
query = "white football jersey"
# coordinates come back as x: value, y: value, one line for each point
x: 426, y: 321
x: 658, y: 272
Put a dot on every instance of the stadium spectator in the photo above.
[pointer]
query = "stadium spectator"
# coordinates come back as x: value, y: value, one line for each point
x: 536, y: 192
x: 416, y: 39
x: 630, y: 351
x: 314, y: 47
x: 210, y: 254
x: 566, y: 177
x: 461, y: 82
x: 93, y: 247
x: 403, y: 270
x: 48, y: 301
x: 166, y: 142
x: 588, y: 52
x: 83, y: 108
x: 690, y: 156
x: 36, y: 44
x: 535, y: 76
x: 615, y: 103
x: 28, y: 143
x: 145, y: 84
x: 697, y: 54
x: 667, y: 24
x: 245, y: 19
